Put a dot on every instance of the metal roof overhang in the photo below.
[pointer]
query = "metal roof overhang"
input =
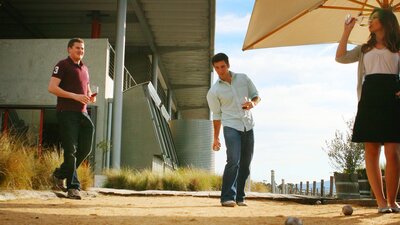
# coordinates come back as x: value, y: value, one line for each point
x: 181, y: 32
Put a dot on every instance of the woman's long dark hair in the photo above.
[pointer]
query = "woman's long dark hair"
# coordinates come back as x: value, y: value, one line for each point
x: 392, y: 31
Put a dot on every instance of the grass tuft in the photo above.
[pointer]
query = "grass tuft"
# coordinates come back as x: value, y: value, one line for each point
x: 183, y: 179
x: 22, y: 169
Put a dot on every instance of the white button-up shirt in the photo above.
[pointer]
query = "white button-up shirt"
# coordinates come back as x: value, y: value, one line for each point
x: 225, y: 101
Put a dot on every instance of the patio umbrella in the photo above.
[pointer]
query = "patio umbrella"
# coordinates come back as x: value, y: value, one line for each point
x: 300, y: 22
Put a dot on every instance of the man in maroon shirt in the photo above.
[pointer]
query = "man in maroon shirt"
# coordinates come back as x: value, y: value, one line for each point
x: 70, y: 83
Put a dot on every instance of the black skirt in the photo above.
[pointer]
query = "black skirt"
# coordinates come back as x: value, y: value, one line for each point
x: 378, y: 115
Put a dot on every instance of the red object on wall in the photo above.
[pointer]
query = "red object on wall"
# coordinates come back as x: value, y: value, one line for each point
x: 96, y: 28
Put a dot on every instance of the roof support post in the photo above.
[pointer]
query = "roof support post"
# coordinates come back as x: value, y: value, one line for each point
x: 118, y: 84
x: 169, y: 99
x: 154, y: 76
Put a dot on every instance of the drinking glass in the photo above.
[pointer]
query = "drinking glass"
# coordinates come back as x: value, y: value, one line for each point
x: 244, y: 102
x: 94, y: 89
x: 361, y: 20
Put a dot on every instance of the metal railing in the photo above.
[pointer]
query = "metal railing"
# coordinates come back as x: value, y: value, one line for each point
x: 128, y: 80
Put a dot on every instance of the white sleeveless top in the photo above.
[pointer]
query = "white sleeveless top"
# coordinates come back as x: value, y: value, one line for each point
x: 381, y: 61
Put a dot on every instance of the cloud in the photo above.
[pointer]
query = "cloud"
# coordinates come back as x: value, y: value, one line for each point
x: 231, y: 24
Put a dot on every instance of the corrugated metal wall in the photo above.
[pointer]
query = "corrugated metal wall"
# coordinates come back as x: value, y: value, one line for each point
x: 193, y: 139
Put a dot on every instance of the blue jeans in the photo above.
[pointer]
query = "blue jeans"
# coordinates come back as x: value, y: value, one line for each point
x: 76, y: 134
x: 239, y: 151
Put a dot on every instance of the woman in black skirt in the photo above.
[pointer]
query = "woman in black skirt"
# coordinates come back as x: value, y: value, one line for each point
x: 378, y: 117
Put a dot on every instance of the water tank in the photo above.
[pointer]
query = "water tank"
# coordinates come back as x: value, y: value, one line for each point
x: 193, y: 139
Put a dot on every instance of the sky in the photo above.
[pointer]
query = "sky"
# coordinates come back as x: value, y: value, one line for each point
x: 306, y: 96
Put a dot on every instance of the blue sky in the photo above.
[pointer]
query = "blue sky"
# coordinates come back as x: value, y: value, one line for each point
x: 306, y: 96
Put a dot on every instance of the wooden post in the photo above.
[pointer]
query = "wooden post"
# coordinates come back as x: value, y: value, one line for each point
x: 273, y: 186
x: 283, y: 186
x: 301, y: 187
x: 314, y: 187
x: 322, y: 188
x: 296, y: 190
x: 331, y: 186
x: 307, y: 187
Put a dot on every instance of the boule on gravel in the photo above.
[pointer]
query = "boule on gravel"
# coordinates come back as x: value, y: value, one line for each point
x: 347, y: 210
x: 293, y: 221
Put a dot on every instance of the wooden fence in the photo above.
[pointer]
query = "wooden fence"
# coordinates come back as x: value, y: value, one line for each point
x: 307, y: 188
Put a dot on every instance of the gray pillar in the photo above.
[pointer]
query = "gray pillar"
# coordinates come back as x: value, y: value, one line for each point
x: 118, y: 84
x: 154, y: 78
x: 179, y: 115
x: 273, y: 181
x: 169, y: 99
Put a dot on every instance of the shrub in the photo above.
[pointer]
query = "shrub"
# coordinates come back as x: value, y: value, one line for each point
x: 16, y: 166
x: 172, y: 181
x: 345, y: 155
x: 49, y: 159
x: 183, y: 179
x: 259, y: 187
x: 22, y: 168
x: 85, y: 175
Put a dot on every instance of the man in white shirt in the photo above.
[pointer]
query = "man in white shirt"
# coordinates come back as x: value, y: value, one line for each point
x: 230, y: 99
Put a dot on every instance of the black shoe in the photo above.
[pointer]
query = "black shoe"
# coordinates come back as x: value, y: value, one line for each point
x: 58, y: 184
x: 74, y: 194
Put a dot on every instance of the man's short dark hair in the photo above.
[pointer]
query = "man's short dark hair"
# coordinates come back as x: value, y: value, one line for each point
x: 73, y: 41
x: 220, y: 57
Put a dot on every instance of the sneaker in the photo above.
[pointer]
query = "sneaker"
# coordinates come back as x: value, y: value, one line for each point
x: 74, y: 194
x: 241, y: 203
x: 229, y: 203
x: 58, y: 184
x: 384, y: 210
x: 395, y: 210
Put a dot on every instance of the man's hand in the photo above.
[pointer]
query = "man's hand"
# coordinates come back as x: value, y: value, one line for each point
x: 248, y: 105
x: 216, y: 145
x: 93, y: 98
x: 84, y: 99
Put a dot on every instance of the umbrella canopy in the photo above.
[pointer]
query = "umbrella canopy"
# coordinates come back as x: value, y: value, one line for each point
x: 293, y: 22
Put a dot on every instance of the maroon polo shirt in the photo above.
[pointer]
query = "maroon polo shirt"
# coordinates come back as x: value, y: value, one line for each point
x: 74, y: 78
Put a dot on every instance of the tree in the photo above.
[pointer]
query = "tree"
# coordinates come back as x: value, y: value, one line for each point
x: 344, y: 155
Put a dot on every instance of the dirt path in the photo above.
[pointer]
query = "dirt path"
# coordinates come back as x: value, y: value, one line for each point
x: 177, y: 210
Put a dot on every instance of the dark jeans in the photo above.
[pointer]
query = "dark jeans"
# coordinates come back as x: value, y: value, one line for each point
x: 76, y: 134
x: 239, y: 153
